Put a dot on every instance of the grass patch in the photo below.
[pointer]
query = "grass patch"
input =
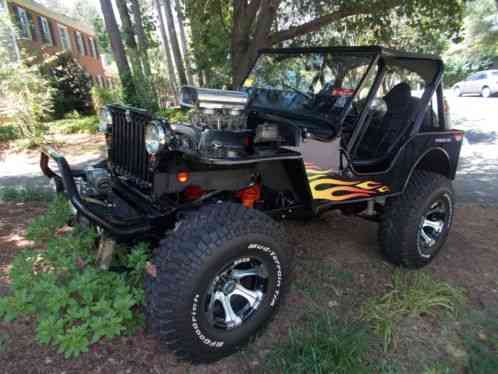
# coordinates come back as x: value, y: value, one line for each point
x: 439, y: 369
x: 321, y: 346
x: 25, y: 194
x: 412, y: 294
x: 317, y: 276
x: 480, y: 337
x: 74, y: 124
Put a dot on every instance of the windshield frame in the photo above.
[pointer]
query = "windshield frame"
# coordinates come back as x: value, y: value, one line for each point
x: 372, y: 54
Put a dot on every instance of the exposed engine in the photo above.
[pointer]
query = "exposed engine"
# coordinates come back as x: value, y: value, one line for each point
x: 216, y: 109
x: 219, y: 128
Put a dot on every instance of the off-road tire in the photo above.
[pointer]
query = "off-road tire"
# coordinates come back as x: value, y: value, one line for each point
x: 191, y: 256
x: 401, y: 222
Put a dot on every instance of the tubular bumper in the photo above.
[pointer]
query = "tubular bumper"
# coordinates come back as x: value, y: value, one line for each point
x: 65, y: 184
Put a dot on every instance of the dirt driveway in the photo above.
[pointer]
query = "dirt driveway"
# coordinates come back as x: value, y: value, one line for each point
x: 336, y: 255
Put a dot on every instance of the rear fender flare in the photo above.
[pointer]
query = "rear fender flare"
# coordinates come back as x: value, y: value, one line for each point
x: 435, y: 160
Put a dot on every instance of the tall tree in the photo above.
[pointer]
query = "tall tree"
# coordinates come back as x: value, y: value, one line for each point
x: 143, y: 50
x: 254, y: 24
x: 141, y: 37
x: 117, y: 46
x: 175, y: 48
x: 183, y: 39
x: 166, y: 47
x: 129, y: 40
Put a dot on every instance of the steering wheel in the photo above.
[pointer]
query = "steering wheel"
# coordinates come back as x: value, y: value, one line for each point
x: 306, y: 95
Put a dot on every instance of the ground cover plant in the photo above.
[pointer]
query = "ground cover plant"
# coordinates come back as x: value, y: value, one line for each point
x: 24, y: 194
x: 58, y: 284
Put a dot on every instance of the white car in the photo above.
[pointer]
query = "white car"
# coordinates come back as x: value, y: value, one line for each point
x: 484, y: 83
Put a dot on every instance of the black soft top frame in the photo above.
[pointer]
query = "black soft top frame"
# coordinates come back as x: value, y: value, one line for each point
x: 427, y: 66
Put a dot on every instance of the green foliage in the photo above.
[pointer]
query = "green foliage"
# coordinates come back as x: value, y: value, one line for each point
x: 174, y: 115
x: 74, y: 123
x: 25, y: 96
x: 75, y: 304
x: 478, y: 49
x: 480, y: 329
x: 7, y: 133
x: 211, y: 24
x: 105, y: 96
x: 71, y: 84
x: 24, y: 194
x: 412, y: 294
x: 323, y: 345
x: 43, y: 227
x: 415, y: 25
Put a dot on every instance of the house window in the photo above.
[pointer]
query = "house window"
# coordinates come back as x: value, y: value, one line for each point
x: 93, y: 47
x: 79, y: 43
x: 45, y: 31
x: 24, y: 24
x: 64, y: 37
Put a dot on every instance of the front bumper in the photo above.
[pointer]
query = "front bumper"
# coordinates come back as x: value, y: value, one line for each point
x: 116, y: 226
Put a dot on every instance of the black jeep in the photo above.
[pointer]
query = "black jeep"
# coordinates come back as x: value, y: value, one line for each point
x: 363, y: 130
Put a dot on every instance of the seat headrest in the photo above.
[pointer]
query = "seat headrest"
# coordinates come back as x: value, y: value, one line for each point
x: 399, y: 96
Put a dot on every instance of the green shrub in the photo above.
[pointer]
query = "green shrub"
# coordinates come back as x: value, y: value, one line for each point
x: 8, y: 133
x: 74, y: 304
x: 74, y: 123
x: 24, y: 194
x: 321, y: 346
x: 175, y: 115
x: 105, y: 96
x: 412, y: 294
x: 25, y: 98
x: 71, y: 84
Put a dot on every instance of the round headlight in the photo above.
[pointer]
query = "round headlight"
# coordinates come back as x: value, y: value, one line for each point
x: 155, y: 138
x: 105, y: 119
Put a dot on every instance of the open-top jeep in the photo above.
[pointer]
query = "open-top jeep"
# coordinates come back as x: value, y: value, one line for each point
x: 363, y: 130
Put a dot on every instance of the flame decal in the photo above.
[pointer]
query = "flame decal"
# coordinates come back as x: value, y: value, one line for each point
x: 323, y: 187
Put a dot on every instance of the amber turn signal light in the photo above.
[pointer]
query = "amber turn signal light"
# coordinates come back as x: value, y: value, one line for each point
x: 183, y: 177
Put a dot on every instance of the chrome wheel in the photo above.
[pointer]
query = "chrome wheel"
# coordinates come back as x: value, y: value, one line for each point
x: 433, y: 225
x: 236, y: 293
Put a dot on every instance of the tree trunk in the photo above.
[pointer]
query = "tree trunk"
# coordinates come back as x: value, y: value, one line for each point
x: 141, y: 37
x: 166, y: 47
x: 143, y: 52
x: 129, y: 39
x: 258, y: 15
x: 253, y: 21
x: 183, y: 40
x: 175, y: 48
x: 118, y: 51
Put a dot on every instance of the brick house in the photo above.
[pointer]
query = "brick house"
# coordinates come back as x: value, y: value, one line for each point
x: 43, y: 30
